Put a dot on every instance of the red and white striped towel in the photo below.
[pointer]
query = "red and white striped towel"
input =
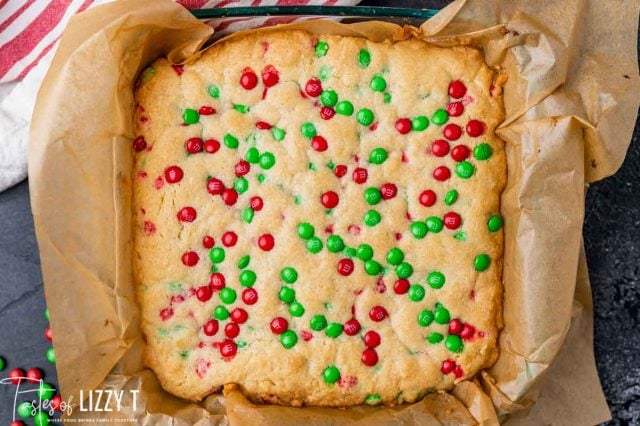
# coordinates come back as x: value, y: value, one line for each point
x: 29, y: 35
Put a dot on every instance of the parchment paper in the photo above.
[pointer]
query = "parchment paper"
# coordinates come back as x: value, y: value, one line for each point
x: 571, y: 99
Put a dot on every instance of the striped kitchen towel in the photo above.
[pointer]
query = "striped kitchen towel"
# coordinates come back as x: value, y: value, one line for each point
x: 29, y: 35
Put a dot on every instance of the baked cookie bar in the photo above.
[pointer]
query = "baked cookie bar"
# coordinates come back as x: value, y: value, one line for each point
x: 316, y: 218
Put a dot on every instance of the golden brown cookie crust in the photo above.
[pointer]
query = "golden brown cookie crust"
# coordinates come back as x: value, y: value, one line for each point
x: 188, y: 362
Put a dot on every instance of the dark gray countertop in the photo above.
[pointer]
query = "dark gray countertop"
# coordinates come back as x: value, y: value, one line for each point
x: 612, y: 239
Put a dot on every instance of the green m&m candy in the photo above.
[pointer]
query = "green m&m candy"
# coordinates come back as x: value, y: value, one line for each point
x: 296, y: 309
x: 364, y: 252
x: 335, y: 243
x: 378, y: 156
x: 314, y: 245
x: 241, y: 185
x: 45, y: 391
x: 395, y: 256
x: 418, y: 229
x: 442, y: 315
x: 253, y: 155
x: 372, y: 218
x: 278, y: 133
x: 25, y: 410
x: 287, y: 294
x: 372, y: 267
x: 220, y: 313
x: 217, y: 255
x: 214, y: 91
x: 41, y: 419
x: 267, y: 160
x: 451, y: 197
x: 51, y: 356
x: 46, y: 314
x: 230, y: 141
x: 465, y: 170
x: 373, y: 399
x: 244, y: 261
x: 328, y: 98
x: 494, y: 223
x: 243, y: 109
x: 419, y: 123
x: 435, y: 337
x: 305, y: 230
x: 378, y: 83
x: 334, y: 330
x: 318, y: 322
x: 308, y: 130
x: 434, y: 224
x: 288, y: 339
x: 289, y: 275
x: 247, y: 214
x: 247, y: 278
x: 372, y: 196
x: 482, y: 151
x: 439, y: 117
x: 322, y: 47
x: 453, y: 343
x: 365, y: 117
x: 190, y: 116
x: 481, y: 262
x: 3, y: 363
x: 364, y: 58
x: 416, y: 293
x: 404, y: 270
x: 435, y: 279
x: 331, y: 374
x: 344, y: 108
x: 228, y: 295
x: 425, y: 318
x: 387, y: 97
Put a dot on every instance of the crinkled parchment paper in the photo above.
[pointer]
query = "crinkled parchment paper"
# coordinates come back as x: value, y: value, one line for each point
x: 571, y: 100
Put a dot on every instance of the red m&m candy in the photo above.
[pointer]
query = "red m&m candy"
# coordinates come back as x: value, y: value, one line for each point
x: 329, y: 199
x: 194, y: 145
x: 239, y: 316
x: 210, y: 328
x: 190, y: 258
x: 447, y: 366
x: 204, y: 293
x: 229, y: 196
x: 460, y: 153
x: 313, y: 87
x: 340, y: 170
x: 371, y: 339
x: 369, y: 357
x: 388, y: 191
x: 215, y: 186
x: 441, y: 173
x: 242, y: 167
x: 34, y: 375
x: 345, y: 267
x: 217, y: 281
x: 440, y: 148
x: 403, y: 125
x: 249, y: 296
x: 378, y: 313
x: 360, y: 175
x: 351, y: 327
x: 139, y: 144
x: 256, y: 203
x: 208, y: 241
x: 455, y: 109
x: 266, y: 242
x: 248, y: 79
x: 401, y: 286
x: 211, y: 146
x: 452, y: 132
x: 232, y: 330
x: 229, y: 239
x: 455, y: 326
x: 187, y: 214
x: 319, y: 143
x: 474, y: 128
x: 457, y: 89
x: 206, y: 110
x: 427, y: 198
x: 173, y: 174
x: 270, y: 76
x: 279, y: 325
x: 228, y: 348
x: 452, y: 220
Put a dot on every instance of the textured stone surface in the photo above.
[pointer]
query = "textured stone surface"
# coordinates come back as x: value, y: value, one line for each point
x: 612, y: 238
